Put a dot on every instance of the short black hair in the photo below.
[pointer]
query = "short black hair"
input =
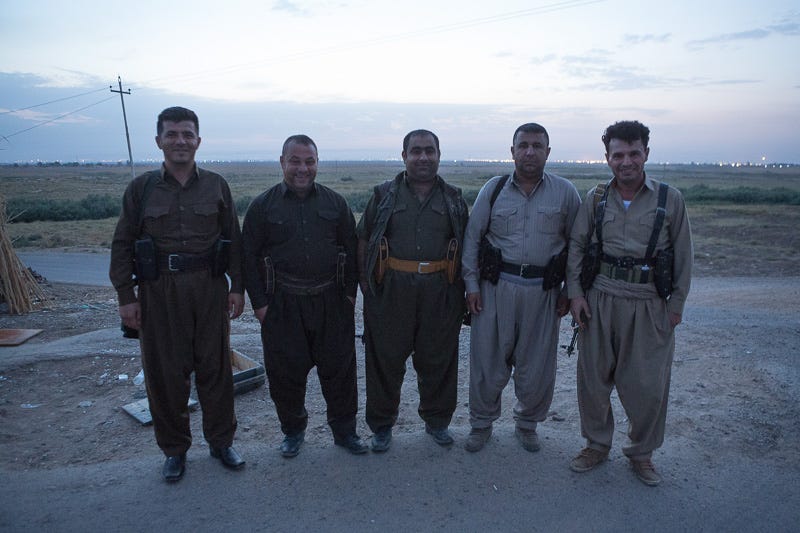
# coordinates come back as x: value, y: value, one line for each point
x: 305, y: 140
x: 410, y: 134
x: 530, y: 127
x: 176, y: 114
x: 629, y: 131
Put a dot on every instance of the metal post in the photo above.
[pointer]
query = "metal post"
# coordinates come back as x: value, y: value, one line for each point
x: 125, y: 118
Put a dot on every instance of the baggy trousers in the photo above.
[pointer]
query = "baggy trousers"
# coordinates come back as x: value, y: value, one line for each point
x: 417, y: 315
x: 517, y: 328
x: 629, y: 343
x: 300, y: 332
x: 185, y: 328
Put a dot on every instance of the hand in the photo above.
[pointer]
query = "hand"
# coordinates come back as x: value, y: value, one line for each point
x: 579, y: 308
x: 261, y: 313
x: 235, y: 304
x: 675, y: 319
x: 131, y: 315
x: 474, y: 303
x: 562, y: 305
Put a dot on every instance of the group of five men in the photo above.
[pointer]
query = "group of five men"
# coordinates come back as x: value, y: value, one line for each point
x: 421, y: 260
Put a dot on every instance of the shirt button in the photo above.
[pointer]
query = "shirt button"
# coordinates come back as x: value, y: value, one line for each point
x: 182, y: 208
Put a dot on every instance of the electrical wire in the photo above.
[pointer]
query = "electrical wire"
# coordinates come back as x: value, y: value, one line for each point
x: 52, y: 101
x: 58, y: 117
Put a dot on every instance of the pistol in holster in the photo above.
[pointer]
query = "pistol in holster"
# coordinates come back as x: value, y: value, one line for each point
x: 269, y: 276
x: 144, y: 256
x: 452, y: 260
x: 490, y: 259
x: 383, y: 258
x: 220, y: 257
x: 341, y: 261
x: 591, y: 265
x: 555, y: 270
x: 662, y: 272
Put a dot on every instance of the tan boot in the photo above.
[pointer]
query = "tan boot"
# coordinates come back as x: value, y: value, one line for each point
x: 477, y: 438
x: 646, y: 472
x: 587, y: 459
x: 528, y: 438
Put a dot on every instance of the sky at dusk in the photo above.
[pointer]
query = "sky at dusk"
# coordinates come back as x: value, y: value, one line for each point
x: 714, y: 80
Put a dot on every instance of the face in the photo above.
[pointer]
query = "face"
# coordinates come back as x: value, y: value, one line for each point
x: 530, y: 152
x: 421, y: 158
x: 179, y: 142
x: 626, y: 161
x: 299, y: 165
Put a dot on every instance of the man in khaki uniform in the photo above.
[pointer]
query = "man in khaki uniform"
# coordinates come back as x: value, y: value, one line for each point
x: 627, y: 336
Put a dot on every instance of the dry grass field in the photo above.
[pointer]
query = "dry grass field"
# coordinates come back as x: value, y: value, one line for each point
x: 730, y: 237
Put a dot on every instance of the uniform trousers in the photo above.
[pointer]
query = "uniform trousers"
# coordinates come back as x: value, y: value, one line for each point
x: 300, y: 332
x: 417, y: 315
x: 185, y: 328
x: 629, y: 343
x: 517, y: 328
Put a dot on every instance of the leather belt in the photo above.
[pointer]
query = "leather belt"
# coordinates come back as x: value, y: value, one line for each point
x: 183, y: 262
x: 417, y: 267
x: 305, y: 290
x: 626, y: 261
x: 524, y: 271
x: 632, y: 274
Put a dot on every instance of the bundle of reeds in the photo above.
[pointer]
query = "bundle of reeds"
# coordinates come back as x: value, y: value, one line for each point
x: 17, y: 285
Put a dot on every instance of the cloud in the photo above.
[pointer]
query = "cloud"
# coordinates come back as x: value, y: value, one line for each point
x: 289, y: 7
x: 541, y: 60
x: 789, y: 26
x: 646, y: 38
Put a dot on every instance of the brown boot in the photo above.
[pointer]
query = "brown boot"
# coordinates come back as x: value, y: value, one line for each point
x: 646, y: 472
x: 587, y: 459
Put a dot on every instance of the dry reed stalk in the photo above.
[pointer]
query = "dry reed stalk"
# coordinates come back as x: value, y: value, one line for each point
x: 17, y: 285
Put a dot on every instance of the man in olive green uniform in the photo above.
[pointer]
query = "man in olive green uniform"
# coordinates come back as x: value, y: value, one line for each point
x: 183, y: 310
x: 410, y: 237
x: 629, y: 312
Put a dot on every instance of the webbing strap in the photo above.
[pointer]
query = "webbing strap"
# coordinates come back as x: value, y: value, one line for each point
x: 661, y: 213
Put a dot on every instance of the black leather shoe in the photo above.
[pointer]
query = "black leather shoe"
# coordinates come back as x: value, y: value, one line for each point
x: 381, y: 440
x: 174, y: 466
x: 352, y: 443
x: 441, y: 436
x: 229, y: 457
x: 290, y: 446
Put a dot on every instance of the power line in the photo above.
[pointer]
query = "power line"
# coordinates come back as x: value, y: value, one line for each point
x: 50, y: 102
x: 59, y: 117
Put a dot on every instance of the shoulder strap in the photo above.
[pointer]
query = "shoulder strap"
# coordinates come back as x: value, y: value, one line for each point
x: 496, y: 192
x: 600, y: 209
x: 148, y: 188
x: 661, y: 213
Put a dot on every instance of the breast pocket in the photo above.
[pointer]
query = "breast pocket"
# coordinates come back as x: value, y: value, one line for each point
x: 329, y: 221
x: 279, y: 228
x: 205, y: 218
x: 505, y: 221
x: 155, y: 219
x: 549, y: 219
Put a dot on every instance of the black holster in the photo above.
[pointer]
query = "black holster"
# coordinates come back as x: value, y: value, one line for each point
x: 341, y: 262
x: 591, y: 265
x: 220, y: 257
x: 269, y: 276
x: 556, y: 270
x: 662, y: 272
x: 144, y: 256
x: 490, y: 260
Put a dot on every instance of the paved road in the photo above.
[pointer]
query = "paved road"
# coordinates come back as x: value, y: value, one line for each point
x: 73, y: 267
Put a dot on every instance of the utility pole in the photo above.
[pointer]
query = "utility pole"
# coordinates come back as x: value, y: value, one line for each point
x: 125, y: 118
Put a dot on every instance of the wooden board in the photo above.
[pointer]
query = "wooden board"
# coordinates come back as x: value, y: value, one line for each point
x: 141, y: 411
x: 15, y: 337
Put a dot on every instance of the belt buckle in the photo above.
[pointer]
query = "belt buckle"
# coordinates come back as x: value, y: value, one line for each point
x: 626, y: 262
x: 173, y: 263
x: 523, y: 268
x: 420, y: 265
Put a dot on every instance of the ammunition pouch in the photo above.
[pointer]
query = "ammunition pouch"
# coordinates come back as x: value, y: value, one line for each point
x: 490, y: 261
x: 452, y: 260
x: 220, y: 257
x: 341, y: 261
x: 555, y: 270
x: 269, y: 276
x: 144, y: 254
x: 383, y: 258
x: 662, y: 272
x: 591, y: 265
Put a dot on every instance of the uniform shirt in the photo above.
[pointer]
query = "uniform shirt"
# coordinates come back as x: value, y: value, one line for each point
x: 527, y: 229
x: 301, y: 236
x: 626, y: 232
x: 180, y: 218
x: 417, y: 230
